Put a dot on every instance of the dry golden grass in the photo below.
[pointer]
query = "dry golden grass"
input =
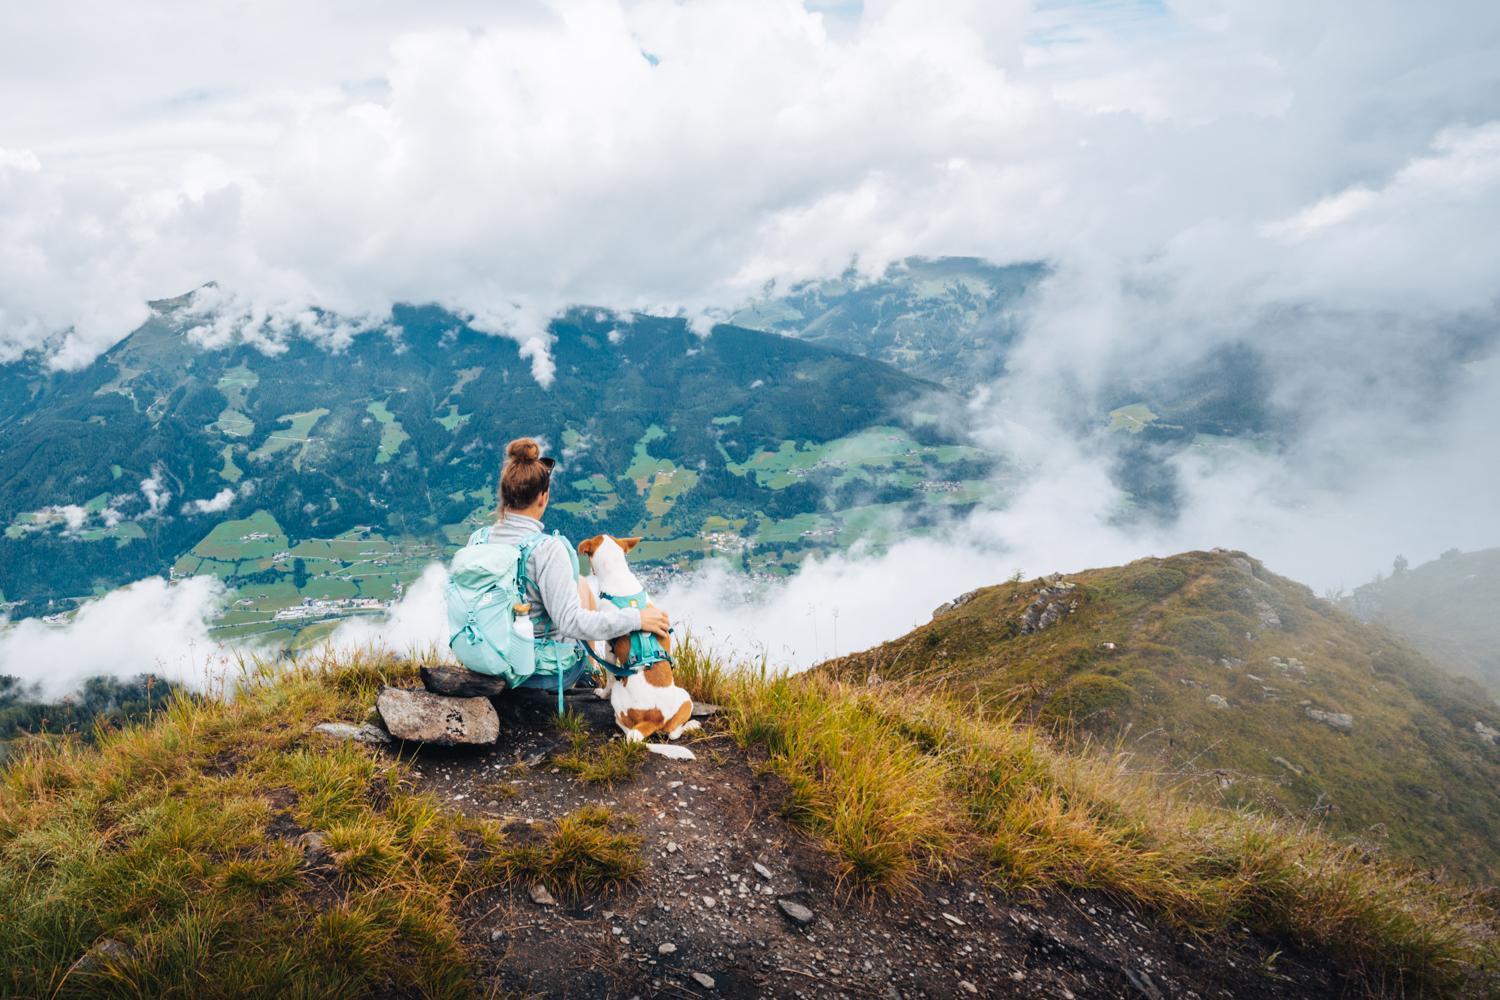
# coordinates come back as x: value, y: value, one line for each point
x: 166, y: 837
x: 900, y: 782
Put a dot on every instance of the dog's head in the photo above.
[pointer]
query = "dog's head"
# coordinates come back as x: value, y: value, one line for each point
x: 606, y: 552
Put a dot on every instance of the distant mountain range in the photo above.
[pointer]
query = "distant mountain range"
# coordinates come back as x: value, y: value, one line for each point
x: 1241, y: 685
x: 335, y: 474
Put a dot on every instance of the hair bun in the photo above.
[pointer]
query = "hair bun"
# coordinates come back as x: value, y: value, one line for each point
x: 523, y: 450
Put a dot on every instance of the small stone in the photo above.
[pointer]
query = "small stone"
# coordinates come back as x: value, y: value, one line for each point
x: 796, y: 912
x: 541, y: 897
x: 666, y: 948
x: 674, y: 784
x: 704, y: 980
x: 672, y: 847
x: 1018, y: 976
x: 761, y: 870
x: 104, y: 952
x: 496, y: 934
x: 967, y: 986
x: 709, y: 901
x: 953, y: 920
x: 1218, y: 701
x: 365, y: 733
x: 1342, y: 721
x: 312, y: 842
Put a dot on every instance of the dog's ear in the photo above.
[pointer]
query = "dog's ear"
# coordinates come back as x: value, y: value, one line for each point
x: 628, y: 543
x: 589, y: 546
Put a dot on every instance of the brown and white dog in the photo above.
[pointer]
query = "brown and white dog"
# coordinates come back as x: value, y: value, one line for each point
x: 648, y: 701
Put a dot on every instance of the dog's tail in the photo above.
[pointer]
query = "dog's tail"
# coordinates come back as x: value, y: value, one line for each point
x: 674, y: 752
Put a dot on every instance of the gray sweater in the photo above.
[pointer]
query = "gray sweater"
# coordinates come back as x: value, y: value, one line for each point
x: 550, y: 584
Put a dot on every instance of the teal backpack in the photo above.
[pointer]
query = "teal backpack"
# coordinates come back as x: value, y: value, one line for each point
x: 486, y: 583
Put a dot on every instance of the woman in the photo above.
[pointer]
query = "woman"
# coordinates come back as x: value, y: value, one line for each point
x: 563, y: 608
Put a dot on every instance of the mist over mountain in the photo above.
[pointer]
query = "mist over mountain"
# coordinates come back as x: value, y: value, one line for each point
x: 1445, y: 607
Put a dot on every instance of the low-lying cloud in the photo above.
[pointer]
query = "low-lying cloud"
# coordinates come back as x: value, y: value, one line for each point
x: 1319, y: 186
x: 151, y: 626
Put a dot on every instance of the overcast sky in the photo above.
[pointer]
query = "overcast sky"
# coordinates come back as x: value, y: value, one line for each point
x: 1322, y: 179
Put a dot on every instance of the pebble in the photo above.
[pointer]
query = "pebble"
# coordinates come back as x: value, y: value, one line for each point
x: 954, y: 920
x: 967, y: 986
x: 761, y: 870
x: 704, y: 980
x: 672, y: 847
x: 666, y: 948
x: 796, y: 912
x: 541, y: 897
x: 709, y: 901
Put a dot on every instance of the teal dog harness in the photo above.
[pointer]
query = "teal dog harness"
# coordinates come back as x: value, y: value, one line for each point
x: 645, y: 648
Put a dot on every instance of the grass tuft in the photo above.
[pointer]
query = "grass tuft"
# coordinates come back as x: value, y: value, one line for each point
x: 589, y: 851
x: 601, y: 763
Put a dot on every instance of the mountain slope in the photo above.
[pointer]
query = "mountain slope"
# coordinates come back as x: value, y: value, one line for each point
x: 1238, y: 682
x: 950, y: 319
x: 828, y: 835
x: 1446, y: 608
x: 273, y: 471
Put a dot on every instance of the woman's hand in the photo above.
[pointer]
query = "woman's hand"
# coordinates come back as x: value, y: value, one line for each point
x: 655, y: 621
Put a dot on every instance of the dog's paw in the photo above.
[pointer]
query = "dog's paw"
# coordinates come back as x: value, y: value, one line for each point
x: 686, y: 727
x: 601, y: 693
x: 634, y: 736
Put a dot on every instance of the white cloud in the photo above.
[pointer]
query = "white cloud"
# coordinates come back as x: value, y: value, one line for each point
x: 154, y: 490
x: 1322, y: 183
x: 151, y: 626
x: 417, y: 623
x: 216, y: 504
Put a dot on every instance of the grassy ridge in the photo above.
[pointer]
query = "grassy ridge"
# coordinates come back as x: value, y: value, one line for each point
x: 1207, y: 666
x: 898, y: 782
x: 180, y: 838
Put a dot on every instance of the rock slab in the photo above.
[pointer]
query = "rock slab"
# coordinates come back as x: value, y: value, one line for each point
x: 424, y: 717
x: 457, y: 682
x: 795, y: 912
x: 366, y: 732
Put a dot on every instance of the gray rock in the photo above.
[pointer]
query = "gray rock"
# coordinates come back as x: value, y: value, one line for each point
x: 1048, y: 607
x: 1342, y: 721
x: 541, y: 897
x: 703, y: 709
x: 957, y: 602
x: 1287, y: 764
x: 1485, y: 732
x: 105, y: 952
x: 313, y: 843
x: 424, y: 717
x: 366, y: 732
x: 761, y: 870
x: 1218, y: 701
x: 704, y: 980
x: 666, y: 948
x: 796, y: 912
x: 457, y: 682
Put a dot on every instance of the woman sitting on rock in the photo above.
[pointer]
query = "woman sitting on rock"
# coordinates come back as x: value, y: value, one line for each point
x: 563, y: 608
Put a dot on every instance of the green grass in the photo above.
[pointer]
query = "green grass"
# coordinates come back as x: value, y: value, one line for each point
x: 600, y: 763
x: 900, y: 782
x: 178, y: 838
x: 1132, y: 419
x: 1411, y: 779
x: 298, y: 430
x: 453, y: 420
x: 392, y: 434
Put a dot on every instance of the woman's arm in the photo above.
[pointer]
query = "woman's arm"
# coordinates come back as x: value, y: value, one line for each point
x: 552, y: 572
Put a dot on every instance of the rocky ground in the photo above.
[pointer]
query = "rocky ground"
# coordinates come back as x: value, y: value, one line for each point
x: 735, y: 902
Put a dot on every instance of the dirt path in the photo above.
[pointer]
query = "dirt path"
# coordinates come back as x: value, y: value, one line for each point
x: 706, y: 917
